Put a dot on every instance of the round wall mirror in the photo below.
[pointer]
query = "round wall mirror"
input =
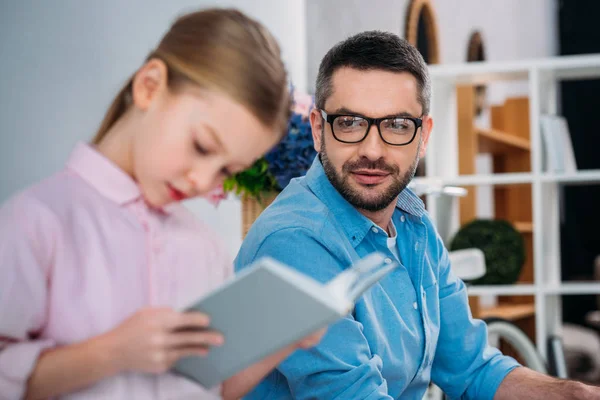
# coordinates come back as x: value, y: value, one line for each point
x: 421, y: 29
x: 476, y: 52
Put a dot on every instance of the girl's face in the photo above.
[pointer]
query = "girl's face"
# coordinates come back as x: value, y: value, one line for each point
x: 190, y: 140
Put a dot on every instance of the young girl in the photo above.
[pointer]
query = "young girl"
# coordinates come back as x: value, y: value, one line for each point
x: 96, y: 258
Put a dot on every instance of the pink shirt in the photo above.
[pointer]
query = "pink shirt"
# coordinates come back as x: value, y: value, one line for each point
x: 81, y: 252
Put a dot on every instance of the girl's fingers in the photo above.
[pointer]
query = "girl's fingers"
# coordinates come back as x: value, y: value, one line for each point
x: 189, y: 320
x: 194, y: 339
x: 175, y: 354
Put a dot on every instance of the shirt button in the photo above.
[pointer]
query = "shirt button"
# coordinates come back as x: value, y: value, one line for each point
x: 402, y: 218
x: 375, y: 230
x: 415, y: 306
x: 416, y: 246
x: 388, y: 260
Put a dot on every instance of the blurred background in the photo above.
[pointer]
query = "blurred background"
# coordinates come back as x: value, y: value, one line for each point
x: 517, y: 128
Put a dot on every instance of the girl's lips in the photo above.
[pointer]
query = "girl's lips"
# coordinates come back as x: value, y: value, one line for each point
x: 176, y: 194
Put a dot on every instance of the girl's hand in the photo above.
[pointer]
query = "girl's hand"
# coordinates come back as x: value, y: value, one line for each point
x: 153, y: 339
x: 312, y: 339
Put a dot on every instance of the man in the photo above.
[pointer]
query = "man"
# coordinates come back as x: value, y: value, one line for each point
x: 371, y: 125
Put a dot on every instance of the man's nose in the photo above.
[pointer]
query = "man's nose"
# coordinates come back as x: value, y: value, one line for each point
x: 372, y: 147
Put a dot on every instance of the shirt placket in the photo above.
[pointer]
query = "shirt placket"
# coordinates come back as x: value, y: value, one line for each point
x: 419, y: 248
x: 144, y: 217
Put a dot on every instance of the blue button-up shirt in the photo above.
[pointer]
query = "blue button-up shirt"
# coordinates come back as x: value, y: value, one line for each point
x: 413, y: 326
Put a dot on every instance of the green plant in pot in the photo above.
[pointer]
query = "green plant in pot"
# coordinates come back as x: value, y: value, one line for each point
x: 502, y: 245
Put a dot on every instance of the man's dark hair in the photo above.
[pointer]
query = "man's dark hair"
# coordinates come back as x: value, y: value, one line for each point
x: 374, y: 50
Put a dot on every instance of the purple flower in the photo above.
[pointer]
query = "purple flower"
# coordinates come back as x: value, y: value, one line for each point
x: 294, y: 155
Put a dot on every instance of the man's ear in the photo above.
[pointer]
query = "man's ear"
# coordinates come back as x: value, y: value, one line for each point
x: 426, y: 129
x: 149, y: 82
x: 316, y: 124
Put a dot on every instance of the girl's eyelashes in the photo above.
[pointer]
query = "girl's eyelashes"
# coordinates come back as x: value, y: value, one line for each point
x: 203, y: 151
x: 200, y: 149
x: 226, y: 173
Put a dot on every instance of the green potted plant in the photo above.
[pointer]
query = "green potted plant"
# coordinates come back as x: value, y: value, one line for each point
x: 502, y: 245
x: 290, y: 158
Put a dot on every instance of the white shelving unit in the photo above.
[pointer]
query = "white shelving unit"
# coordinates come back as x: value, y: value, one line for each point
x: 543, y: 76
x: 502, y: 290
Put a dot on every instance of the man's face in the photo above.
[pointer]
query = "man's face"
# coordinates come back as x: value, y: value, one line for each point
x: 370, y: 174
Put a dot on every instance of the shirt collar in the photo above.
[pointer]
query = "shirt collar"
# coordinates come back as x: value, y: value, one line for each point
x: 104, y: 176
x: 353, y: 222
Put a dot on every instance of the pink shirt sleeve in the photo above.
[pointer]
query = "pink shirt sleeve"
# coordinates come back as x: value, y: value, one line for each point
x: 26, y: 235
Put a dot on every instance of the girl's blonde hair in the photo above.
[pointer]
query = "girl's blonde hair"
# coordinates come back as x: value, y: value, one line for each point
x: 225, y: 50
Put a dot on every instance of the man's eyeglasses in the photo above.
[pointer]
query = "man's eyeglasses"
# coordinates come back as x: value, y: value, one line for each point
x: 395, y: 131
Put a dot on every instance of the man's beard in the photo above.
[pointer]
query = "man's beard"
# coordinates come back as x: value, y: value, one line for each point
x: 359, y: 197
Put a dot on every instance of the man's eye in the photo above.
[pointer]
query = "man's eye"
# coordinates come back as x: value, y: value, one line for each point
x: 399, y: 124
x: 350, y: 122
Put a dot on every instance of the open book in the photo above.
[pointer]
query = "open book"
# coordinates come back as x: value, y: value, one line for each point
x: 269, y: 306
x: 558, y: 156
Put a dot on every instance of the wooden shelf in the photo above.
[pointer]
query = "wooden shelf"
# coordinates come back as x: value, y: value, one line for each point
x: 510, y: 312
x: 524, y: 226
x: 499, y: 142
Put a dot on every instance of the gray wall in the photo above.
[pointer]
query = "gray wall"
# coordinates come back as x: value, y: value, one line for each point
x: 62, y: 61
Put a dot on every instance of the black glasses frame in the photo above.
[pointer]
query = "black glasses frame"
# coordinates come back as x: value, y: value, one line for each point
x: 330, y: 118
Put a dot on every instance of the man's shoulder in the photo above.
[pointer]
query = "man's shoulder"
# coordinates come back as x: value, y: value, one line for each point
x: 296, y: 210
x: 297, y: 225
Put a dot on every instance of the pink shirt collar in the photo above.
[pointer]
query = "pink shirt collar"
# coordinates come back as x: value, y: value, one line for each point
x: 105, y: 176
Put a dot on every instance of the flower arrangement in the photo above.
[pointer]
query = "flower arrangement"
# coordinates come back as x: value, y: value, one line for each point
x: 291, y: 158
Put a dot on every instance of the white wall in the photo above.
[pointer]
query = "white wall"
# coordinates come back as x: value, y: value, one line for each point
x: 64, y: 60
x: 511, y: 29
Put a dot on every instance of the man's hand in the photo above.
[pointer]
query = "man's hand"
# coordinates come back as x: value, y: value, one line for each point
x: 525, y: 384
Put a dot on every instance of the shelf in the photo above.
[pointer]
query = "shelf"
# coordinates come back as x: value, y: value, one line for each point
x: 574, y: 288
x: 498, y: 142
x: 524, y: 227
x: 571, y: 67
x: 479, y: 72
x: 578, y: 178
x: 575, y: 178
x: 501, y: 290
x: 523, y: 192
x: 564, y: 67
x: 510, y: 312
x: 491, y: 179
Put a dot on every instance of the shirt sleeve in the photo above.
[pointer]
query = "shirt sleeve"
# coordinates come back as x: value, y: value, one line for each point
x: 25, y: 253
x: 342, y: 365
x: 465, y: 365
